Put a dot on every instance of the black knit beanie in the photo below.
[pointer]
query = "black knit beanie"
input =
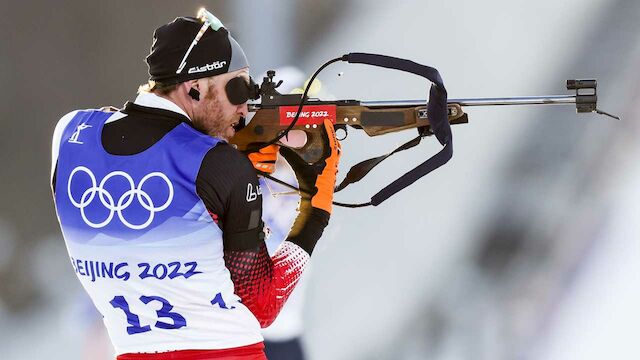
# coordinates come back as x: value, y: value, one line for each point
x: 216, y: 52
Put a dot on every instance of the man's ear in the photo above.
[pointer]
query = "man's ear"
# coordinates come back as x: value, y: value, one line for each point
x: 194, y: 94
x: 192, y: 88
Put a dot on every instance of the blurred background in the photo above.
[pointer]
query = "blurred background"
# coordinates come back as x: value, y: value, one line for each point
x: 524, y: 246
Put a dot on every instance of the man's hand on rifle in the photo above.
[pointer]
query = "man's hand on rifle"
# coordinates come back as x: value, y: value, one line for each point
x: 264, y: 160
x: 318, y: 179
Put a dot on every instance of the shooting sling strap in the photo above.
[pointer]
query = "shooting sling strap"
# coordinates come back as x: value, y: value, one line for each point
x: 439, y: 126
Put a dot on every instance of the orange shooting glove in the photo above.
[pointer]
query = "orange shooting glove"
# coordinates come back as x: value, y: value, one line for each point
x: 264, y: 160
x: 318, y: 179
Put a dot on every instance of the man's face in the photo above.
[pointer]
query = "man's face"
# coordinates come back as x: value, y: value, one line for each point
x: 214, y: 114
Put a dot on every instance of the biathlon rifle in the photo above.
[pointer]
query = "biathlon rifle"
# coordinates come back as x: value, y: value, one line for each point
x: 279, y: 115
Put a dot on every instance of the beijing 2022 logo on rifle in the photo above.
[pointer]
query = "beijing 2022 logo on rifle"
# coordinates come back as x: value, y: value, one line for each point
x: 123, y: 202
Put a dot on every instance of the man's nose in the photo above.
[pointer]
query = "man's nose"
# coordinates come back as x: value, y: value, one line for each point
x: 243, y: 109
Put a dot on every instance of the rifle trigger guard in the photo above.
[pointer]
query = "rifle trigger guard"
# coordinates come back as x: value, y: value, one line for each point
x: 344, y: 130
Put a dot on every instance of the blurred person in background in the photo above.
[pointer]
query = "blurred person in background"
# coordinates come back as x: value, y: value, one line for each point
x: 162, y: 218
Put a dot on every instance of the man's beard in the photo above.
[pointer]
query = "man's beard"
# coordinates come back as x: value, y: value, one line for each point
x: 212, y: 122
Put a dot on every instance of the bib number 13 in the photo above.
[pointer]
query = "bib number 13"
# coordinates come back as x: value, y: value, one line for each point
x: 174, y: 320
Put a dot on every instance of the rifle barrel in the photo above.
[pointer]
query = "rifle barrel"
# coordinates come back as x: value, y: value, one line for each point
x: 517, y: 100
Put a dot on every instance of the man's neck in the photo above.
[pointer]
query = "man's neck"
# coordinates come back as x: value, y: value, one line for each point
x: 182, y: 103
x: 163, y: 102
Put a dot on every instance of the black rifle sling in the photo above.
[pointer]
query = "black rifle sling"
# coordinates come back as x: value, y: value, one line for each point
x: 359, y: 170
x: 439, y: 126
